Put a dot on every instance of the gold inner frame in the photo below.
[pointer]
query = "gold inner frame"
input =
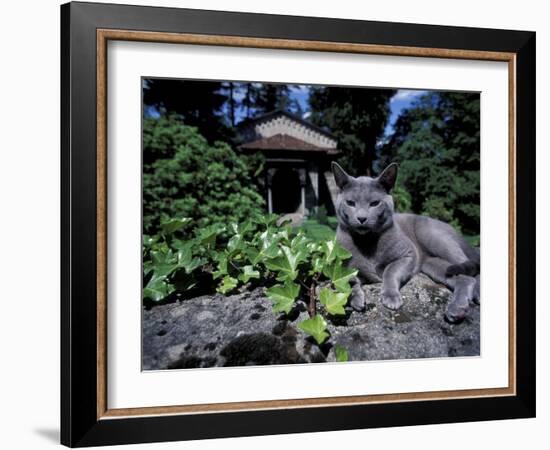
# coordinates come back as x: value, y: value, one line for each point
x: 104, y: 35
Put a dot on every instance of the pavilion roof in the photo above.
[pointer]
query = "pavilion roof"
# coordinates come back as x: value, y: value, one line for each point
x: 286, y: 142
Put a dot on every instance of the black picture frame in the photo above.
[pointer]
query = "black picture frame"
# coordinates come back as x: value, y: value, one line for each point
x: 80, y: 424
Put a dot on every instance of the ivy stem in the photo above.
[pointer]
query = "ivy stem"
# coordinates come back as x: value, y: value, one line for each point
x: 312, y: 307
x: 234, y: 265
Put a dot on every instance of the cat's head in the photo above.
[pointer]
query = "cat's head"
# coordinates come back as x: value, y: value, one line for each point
x: 364, y: 204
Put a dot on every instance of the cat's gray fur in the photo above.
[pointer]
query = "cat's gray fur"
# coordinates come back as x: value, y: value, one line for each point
x: 390, y: 248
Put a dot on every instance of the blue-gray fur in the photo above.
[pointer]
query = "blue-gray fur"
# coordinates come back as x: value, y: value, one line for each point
x: 390, y: 248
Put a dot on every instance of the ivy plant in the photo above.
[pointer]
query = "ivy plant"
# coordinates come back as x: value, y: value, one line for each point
x: 291, y: 266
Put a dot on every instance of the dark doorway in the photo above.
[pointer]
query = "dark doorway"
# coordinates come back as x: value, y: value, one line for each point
x: 286, y: 191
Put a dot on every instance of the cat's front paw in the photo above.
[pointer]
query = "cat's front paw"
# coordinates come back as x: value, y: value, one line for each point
x: 357, y: 300
x: 455, y: 312
x: 392, y: 300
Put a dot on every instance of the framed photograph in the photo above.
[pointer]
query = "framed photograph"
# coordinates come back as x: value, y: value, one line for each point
x: 277, y: 224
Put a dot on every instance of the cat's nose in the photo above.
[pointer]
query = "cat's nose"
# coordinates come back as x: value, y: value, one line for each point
x: 361, y: 219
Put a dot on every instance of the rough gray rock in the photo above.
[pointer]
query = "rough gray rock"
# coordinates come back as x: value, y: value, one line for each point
x: 241, y: 329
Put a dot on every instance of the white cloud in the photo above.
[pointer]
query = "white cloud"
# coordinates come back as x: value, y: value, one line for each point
x: 238, y: 95
x: 300, y: 88
x: 406, y: 94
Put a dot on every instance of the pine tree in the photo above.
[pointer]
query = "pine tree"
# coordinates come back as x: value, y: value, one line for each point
x: 357, y: 117
x: 436, y: 142
x: 198, y: 103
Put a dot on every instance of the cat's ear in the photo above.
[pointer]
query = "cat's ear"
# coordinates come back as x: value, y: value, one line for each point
x: 388, y: 176
x: 340, y: 176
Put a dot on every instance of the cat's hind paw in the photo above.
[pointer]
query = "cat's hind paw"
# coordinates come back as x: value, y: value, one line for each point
x: 392, y: 300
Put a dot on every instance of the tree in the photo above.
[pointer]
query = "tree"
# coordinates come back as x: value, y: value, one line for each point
x: 261, y: 98
x: 436, y: 143
x: 198, y: 103
x: 357, y: 117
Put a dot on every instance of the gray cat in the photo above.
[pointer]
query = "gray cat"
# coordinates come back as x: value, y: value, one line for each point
x: 390, y: 248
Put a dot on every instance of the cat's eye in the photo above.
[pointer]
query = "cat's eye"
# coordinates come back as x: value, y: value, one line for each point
x: 350, y: 203
x: 375, y: 203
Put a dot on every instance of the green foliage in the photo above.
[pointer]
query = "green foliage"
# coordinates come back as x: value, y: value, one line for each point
x: 401, y: 198
x: 315, y: 327
x: 474, y: 240
x: 185, y: 176
x: 340, y: 353
x: 319, y: 225
x: 283, y: 296
x: 174, y: 225
x: 171, y: 264
x: 340, y: 275
x: 286, y: 264
x: 333, y: 301
x: 292, y: 266
x: 437, y: 207
x: 228, y: 284
x: 320, y: 215
x: 436, y: 143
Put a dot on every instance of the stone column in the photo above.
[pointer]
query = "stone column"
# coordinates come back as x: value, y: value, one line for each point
x: 302, y: 174
x: 270, y: 173
x: 314, y: 177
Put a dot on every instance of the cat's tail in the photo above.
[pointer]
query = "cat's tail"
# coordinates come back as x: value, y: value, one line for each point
x: 470, y: 268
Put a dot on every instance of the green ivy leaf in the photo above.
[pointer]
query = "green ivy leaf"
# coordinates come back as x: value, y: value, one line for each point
x: 317, y: 265
x: 184, y: 252
x: 340, y: 276
x: 267, y: 220
x: 222, y: 267
x: 245, y: 227
x: 299, y: 241
x: 248, y: 273
x: 235, y: 243
x: 333, y: 301
x: 163, y: 263
x: 315, y: 327
x: 184, y: 256
x: 148, y: 241
x: 157, y: 289
x: 286, y: 264
x: 228, y: 284
x: 255, y: 256
x: 267, y: 248
x: 334, y: 251
x: 234, y: 227
x: 195, y: 263
x: 147, y: 267
x: 207, y: 236
x: 340, y: 353
x: 174, y: 225
x: 283, y: 296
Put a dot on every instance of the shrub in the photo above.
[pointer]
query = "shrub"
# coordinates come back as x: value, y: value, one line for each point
x: 184, y: 176
x: 436, y: 207
x: 401, y: 198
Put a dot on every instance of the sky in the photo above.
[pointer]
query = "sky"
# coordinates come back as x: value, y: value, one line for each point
x: 400, y: 101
